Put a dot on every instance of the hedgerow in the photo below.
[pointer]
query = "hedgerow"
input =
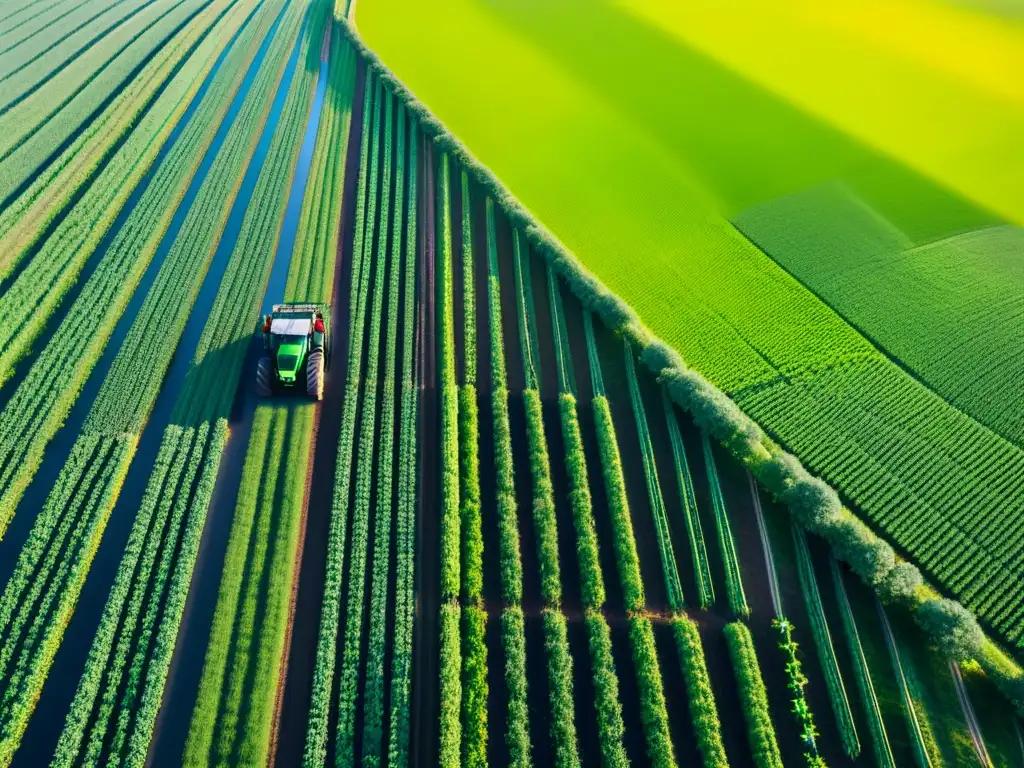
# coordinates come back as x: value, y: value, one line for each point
x: 450, y: 533
x: 691, y: 513
x: 703, y: 711
x: 862, y: 673
x: 610, y: 727
x: 817, y: 506
x: 505, y: 492
x: 823, y: 643
x: 753, y: 696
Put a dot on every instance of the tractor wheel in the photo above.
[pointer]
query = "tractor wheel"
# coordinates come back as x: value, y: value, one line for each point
x: 264, y: 373
x: 315, y: 374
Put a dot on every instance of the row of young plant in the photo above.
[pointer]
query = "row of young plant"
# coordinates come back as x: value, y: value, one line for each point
x: 405, y: 529
x: 42, y: 401
x: 86, y: 522
x: 114, y: 711
x: 556, y: 645
x: 611, y: 728
x: 37, y: 186
x: 49, y: 96
x: 816, y: 507
x: 513, y: 625
x: 235, y: 706
x: 450, y: 419
x: 238, y: 295
x: 318, y: 723
x: 474, y: 617
x: 402, y: 270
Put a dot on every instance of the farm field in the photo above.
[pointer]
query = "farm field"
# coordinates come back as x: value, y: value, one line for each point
x: 792, y: 351
x: 489, y: 516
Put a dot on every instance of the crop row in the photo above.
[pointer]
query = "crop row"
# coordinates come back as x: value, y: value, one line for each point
x: 131, y: 652
x: 474, y: 624
x: 317, y: 726
x: 669, y: 569
x: 86, y: 522
x: 43, y: 400
x: 29, y: 18
x: 753, y: 696
x: 513, y: 626
x: 378, y: 258
x: 373, y: 694
x: 726, y: 542
x: 45, y: 102
x: 405, y: 547
x: 38, y: 186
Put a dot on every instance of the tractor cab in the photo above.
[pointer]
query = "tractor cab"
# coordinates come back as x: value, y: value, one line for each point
x: 297, y: 340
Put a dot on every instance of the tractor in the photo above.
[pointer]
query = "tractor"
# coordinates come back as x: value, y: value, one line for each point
x: 298, y: 340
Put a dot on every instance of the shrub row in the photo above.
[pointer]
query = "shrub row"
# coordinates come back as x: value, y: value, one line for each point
x: 653, y: 712
x: 509, y: 552
x: 451, y: 686
x: 513, y: 646
x: 862, y: 673
x: 405, y: 599
x: 669, y: 569
x: 543, y: 501
x: 315, y: 751
x: 753, y: 696
x: 468, y: 287
x: 605, y: 677
x: 380, y: 262
x: 563, y: 713
x: 450, y: 510
x: 591, y: 579
x: 823, y: 643
x: 610, y: 727
x: 691, y: 513
x: 474, y: 687
x: 703, y: 711
x: 796, y: 681
x: 817, y: 505
x: 373, y: 693
x: 618, y: 507
x: 726, y: 542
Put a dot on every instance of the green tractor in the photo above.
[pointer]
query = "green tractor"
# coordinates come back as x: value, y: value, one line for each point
x: 298, y: 340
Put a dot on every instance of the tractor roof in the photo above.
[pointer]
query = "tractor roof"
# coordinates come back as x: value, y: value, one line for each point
x: 291, y: 326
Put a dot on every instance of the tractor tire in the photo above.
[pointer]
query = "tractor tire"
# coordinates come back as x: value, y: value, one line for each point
x: 315, y: 374
x: 264, y: 374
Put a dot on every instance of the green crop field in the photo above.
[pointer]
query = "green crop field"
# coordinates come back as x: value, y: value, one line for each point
x: 515, y: 384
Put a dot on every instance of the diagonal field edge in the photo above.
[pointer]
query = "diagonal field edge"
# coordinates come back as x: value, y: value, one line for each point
x: 815, y: 505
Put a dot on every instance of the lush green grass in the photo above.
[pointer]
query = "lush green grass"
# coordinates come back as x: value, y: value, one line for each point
x: 659, y: 184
